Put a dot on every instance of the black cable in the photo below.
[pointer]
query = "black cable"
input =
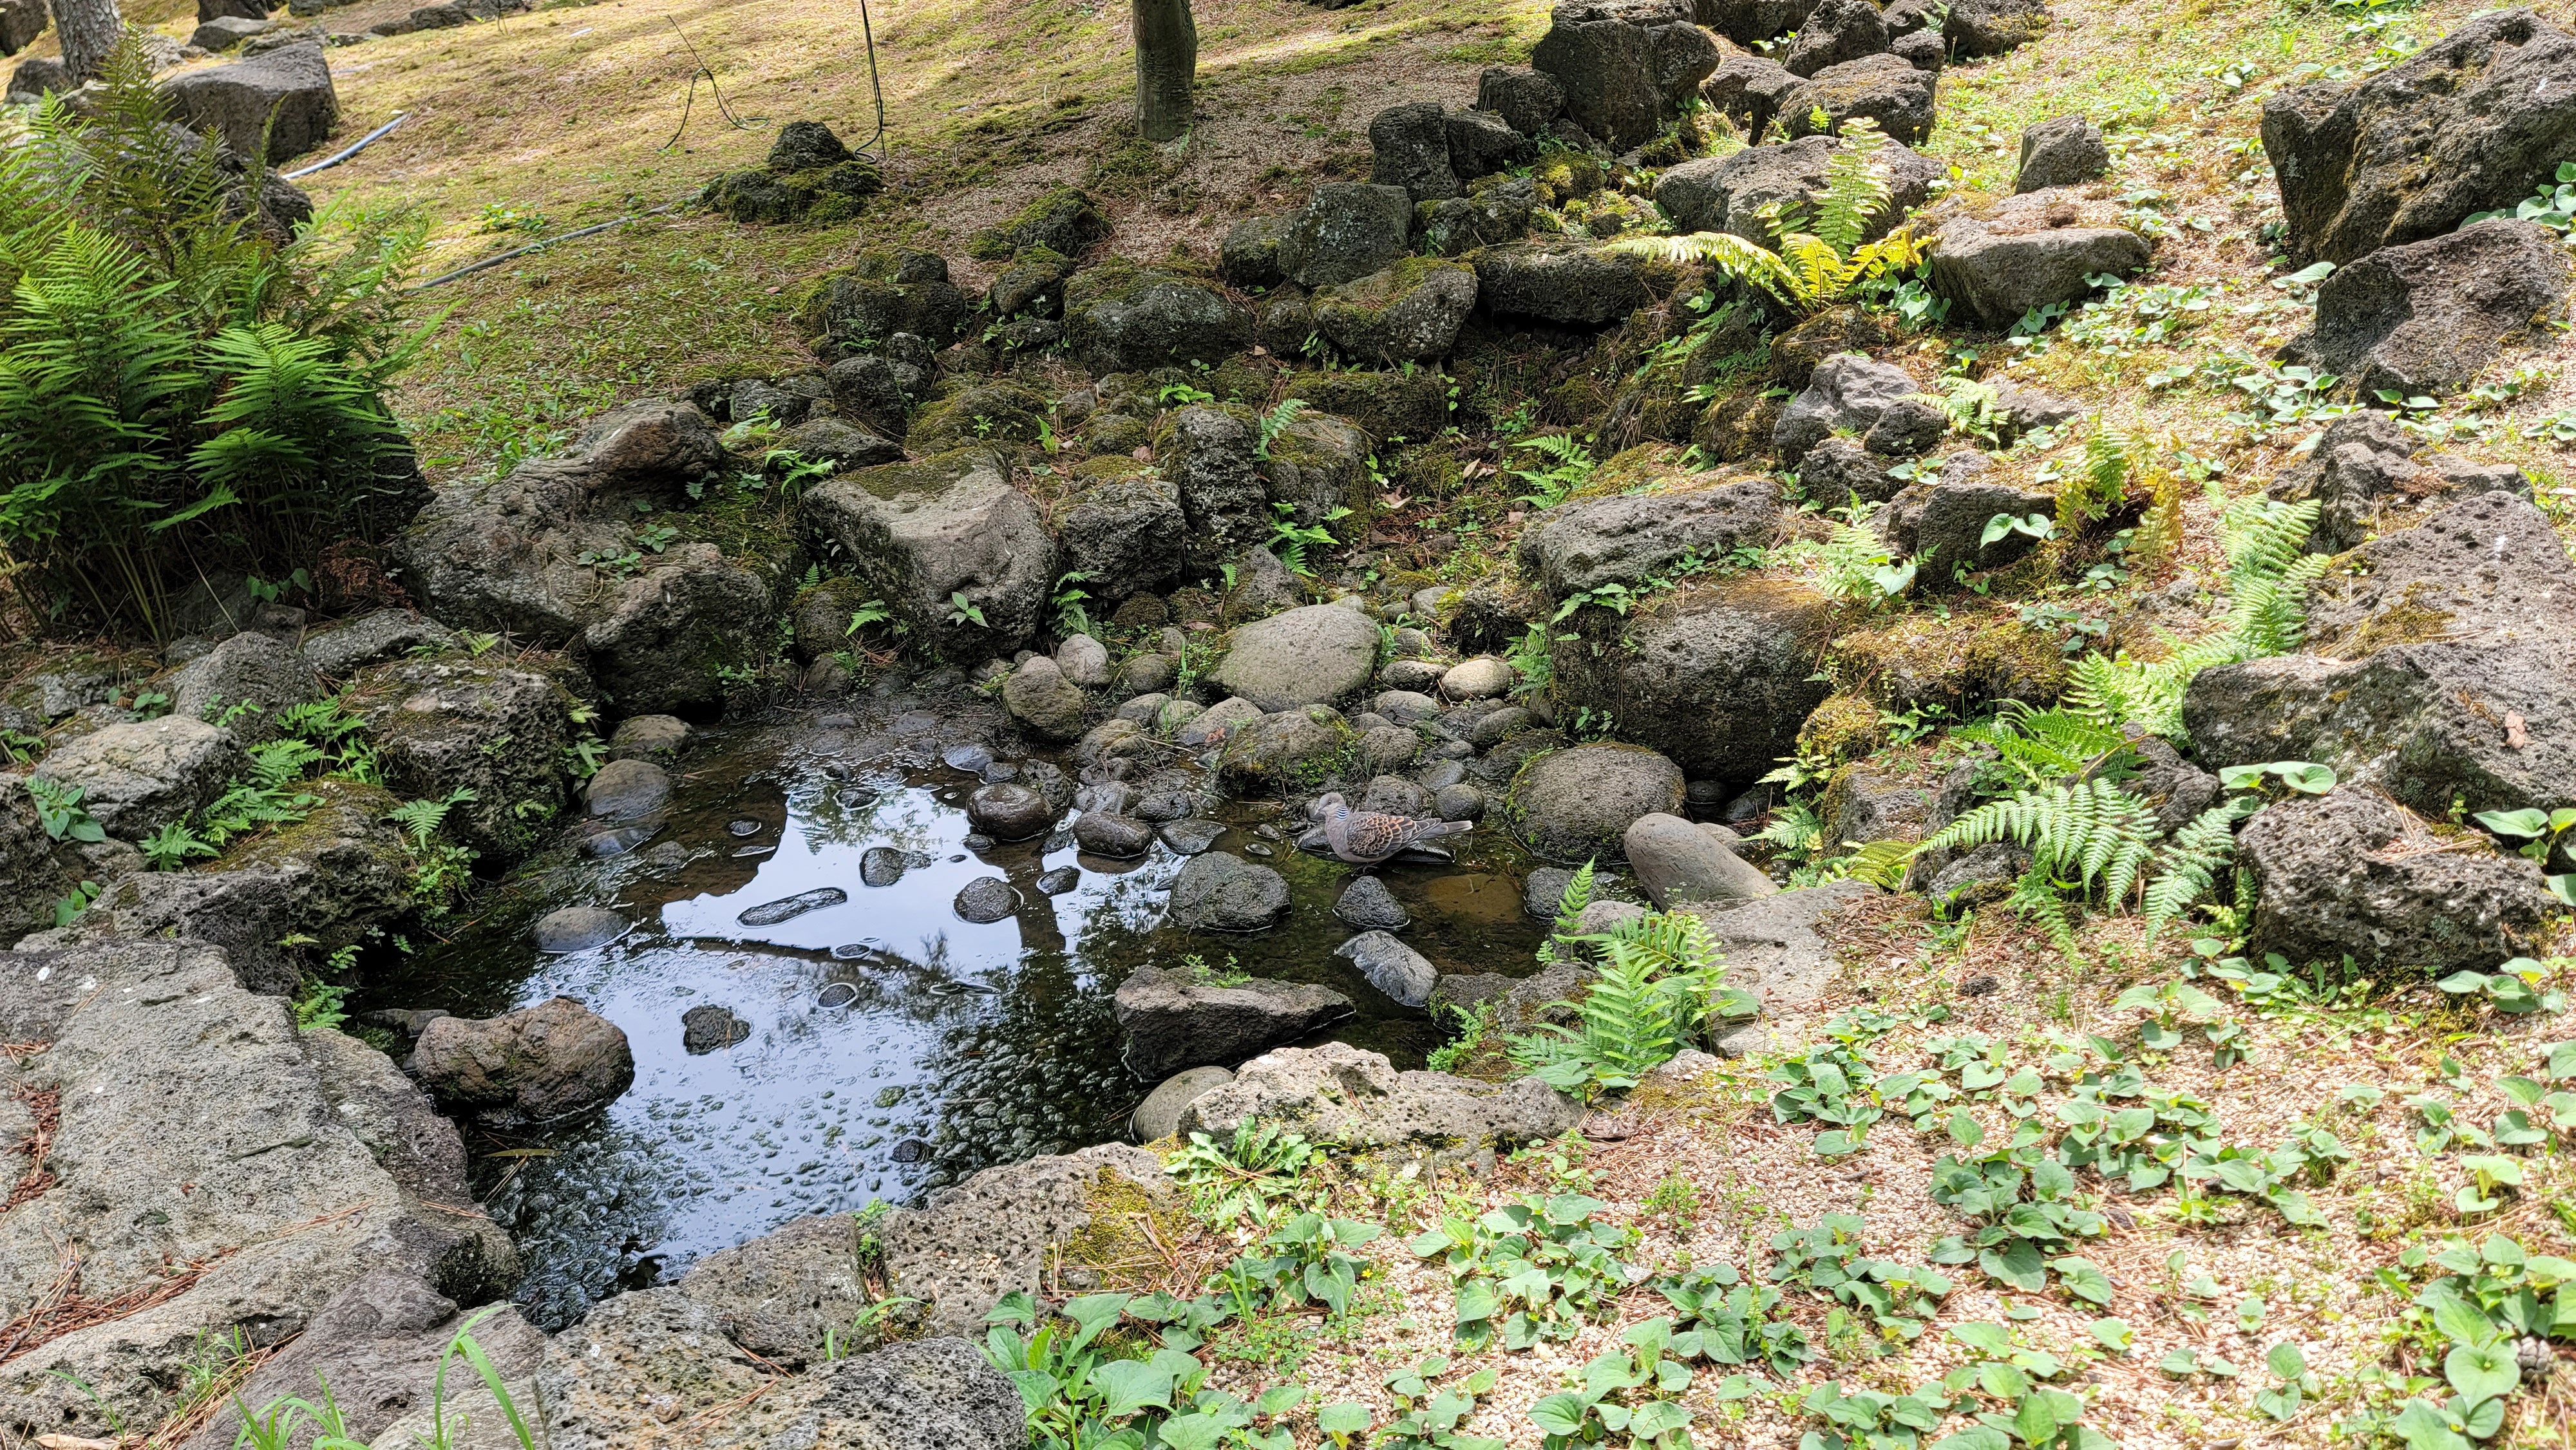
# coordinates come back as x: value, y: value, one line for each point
x: 689, y: 102
x: 867, y: 148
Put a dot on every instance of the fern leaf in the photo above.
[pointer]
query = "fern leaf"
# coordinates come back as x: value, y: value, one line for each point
x: 1729, y: 253
x: 2187, y: 867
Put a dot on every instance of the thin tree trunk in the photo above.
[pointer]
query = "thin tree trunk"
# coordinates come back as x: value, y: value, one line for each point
x: 88, y: 30
x: 1167, y: 57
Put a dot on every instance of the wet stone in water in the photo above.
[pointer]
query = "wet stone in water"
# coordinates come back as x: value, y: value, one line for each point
x: 1190, y: 837
x: 969, y: 758
x: 910, y: 1150
x: 1118, y: 837
x: 706, y: 1028
x: 771, y: 913
x: 1009, y: 812
x: 1257, y: 849
x: 1059, y: 840
x: 976, y: 842
x: 577, y: 929
x: 744, y: 828
x: 882, y: 866
x: 854, y: 797
x: 618, y: 842
x: 1165, y: 805
x: 1059, y: 881
x: 1368, y: 905
x: 987, y: 899
x: 836, y: 994
x: 1001, y: 770
x: 889, y: 1097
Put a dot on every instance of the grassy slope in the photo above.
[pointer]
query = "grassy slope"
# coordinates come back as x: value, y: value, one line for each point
x: 559, y: 114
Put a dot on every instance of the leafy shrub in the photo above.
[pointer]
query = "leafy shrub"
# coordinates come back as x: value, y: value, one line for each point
x: 1660, y: 982
x: 182, y: 388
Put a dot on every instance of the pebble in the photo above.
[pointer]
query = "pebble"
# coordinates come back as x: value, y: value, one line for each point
x: 969, y: 758
x: 881, y: 866
x: 836, y: 995
x: 745, y: 828
x: 1059, y: 881
x: 987, y: 899
x: 771, y: 913
x: 1190, y: 837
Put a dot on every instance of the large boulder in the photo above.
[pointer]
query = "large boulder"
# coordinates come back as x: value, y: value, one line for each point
x: 377, y: 1343
x: 35, y: 869
x: 927, y: 535
x: 1976, y: 29
x: 329, y: 881
x: 541, y: 1066
x: 861, y: 307
x: 1409, y: 312
x: 1943, y: 526
x: 1718, y: 678
x: 1217, y: 892
x: 1628, y: 66
x: 1751, y: 22
x: 195, y: 1125
x: 1286, y: 748
x: 669, y: 636
x: 1490, y: 216
x: 2475, y: 122
x: 1341, y: 1094
x: 2032, y: 250
x: 2438, y: 670
x: 497, y: 731
x: 1747, y: 91
x: 1174, y: 1019
x: 1576, y: 547
x: 1877, y: 403
x: 243, y: 683
x: 283, y: 99
x: 2427, y: 317
x: 2351, y: 875
x: 2066, y: 151
x: 1319, y: 463
x: 1772, y: 945
x: 1887, y: 89
x: 2367, y: 480
x: 1573, y: 805
x: 1409, y: 147
x: 1677, y: 861
x: 1346, y: 231
x: 374, y: 638
x: 1526, y: 99
x: 1126, y: 535
x: 1728, y: 193
x: 21, y: 21
x: 1013, y: 1227
x: 782, y: 1294
x: 1119, y: 317
x: 1835, y: 32
x: 1212, y: 454
x: 1572, y: 284
x: 1310, y: 656
x: 137, y: 776
x: 642, y: 1362
x: 1482, y: 143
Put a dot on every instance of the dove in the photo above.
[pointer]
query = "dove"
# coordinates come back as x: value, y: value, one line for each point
x: 1365, y: 837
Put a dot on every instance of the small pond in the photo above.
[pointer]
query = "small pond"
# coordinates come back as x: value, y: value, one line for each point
x: 890, y: 1046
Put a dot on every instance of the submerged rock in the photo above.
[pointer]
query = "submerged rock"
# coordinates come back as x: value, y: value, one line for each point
x: 987, y: 899
x: 1217, y: 892
x: 577, y: 929
x: 1399, y: 971
x: 771, y: 913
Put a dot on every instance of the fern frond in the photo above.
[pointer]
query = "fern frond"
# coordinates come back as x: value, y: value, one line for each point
x: 1856, y: 190
x: 2187, y: 866
x: 2092, y: 833
x: 1727, y: 252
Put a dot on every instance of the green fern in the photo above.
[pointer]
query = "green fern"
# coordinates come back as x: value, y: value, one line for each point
x: 2041, y: 747
x: 2109, y: 457
x: 2187, y: 866
x: 2091, y: 836
x: 1659, y: 983
x: 1570, y: 905
x: 1274, y: 423
x: 422, y: 819
x: 2268, y: 576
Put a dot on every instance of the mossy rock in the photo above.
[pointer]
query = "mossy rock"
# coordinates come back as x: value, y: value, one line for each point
x: 1320, y: 463
x: 1920, y: 660
x: 1290, y: 749
x: 1063, y: 220
x: 1385, y: 405
x: 1737, y: 428
x: 822, y: 193
x: 856, y: 308
x: 1844, y: 728
x: 1120, y: 317
x: 820, y: 616
x: 981, y: 411
x: 1632, y: 469
x: 1563, y: 174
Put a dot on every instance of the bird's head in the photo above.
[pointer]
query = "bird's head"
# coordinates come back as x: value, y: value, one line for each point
x: 1330, y: 803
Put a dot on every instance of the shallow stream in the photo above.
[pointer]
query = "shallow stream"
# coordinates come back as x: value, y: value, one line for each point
x: 890, y: 1046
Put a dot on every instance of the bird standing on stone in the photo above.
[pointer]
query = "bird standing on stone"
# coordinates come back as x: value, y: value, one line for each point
x: 1366, y: 838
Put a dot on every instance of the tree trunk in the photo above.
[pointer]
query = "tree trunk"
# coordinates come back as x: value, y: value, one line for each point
x: 1167, y: 57
x: 88, y: 29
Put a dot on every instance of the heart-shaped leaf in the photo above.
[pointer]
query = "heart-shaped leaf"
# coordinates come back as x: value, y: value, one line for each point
x: 2481, y: 1371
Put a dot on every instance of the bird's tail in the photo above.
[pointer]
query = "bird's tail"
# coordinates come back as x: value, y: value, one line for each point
x: 1446, y: 828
